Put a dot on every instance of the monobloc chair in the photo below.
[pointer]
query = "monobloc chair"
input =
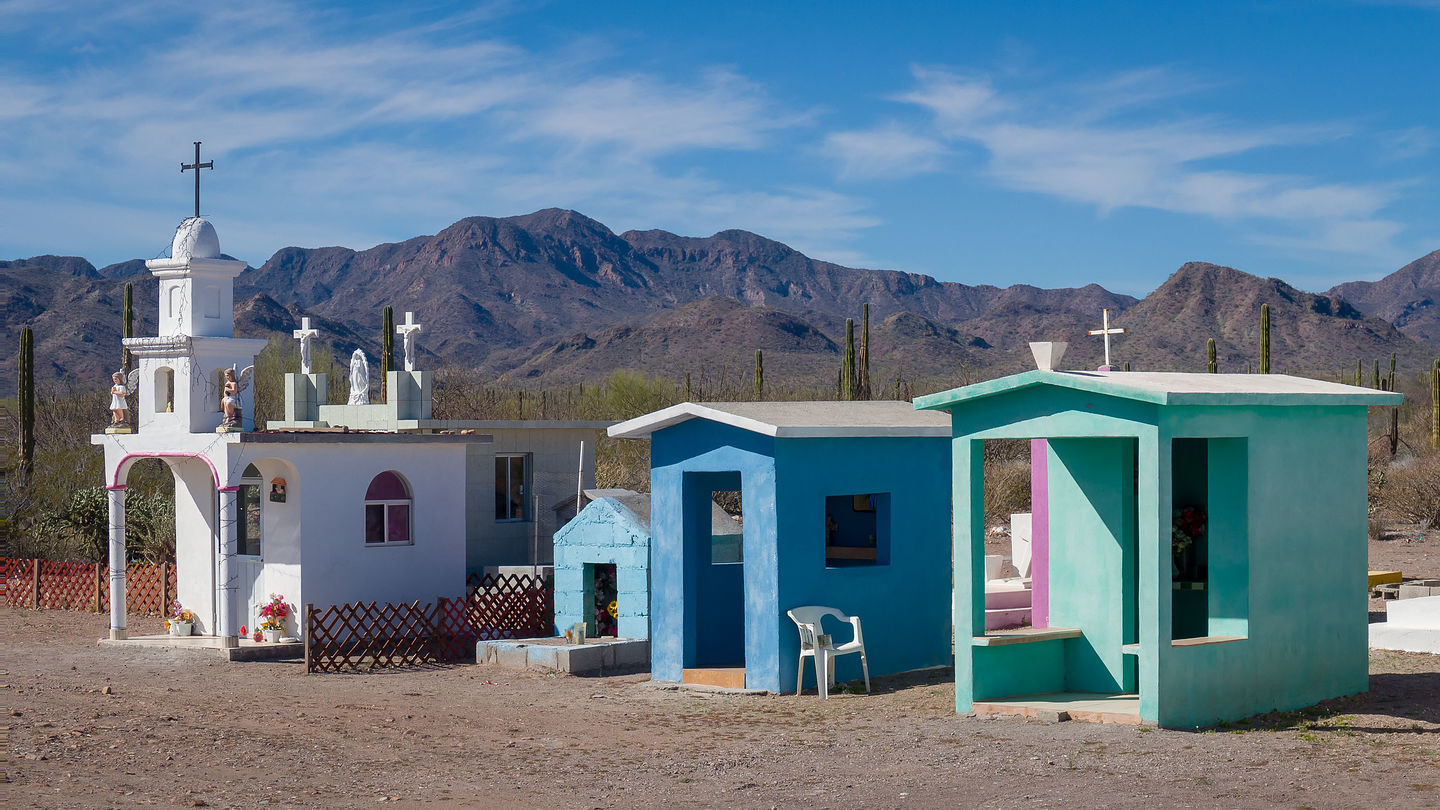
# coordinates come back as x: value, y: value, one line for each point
x: 808, y: 619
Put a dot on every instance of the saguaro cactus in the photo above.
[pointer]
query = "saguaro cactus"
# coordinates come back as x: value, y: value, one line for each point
x: 1435, y: 405
x: 26, y: 399
x: 387, y: 349
x: 687, y: 386
x: 1376, y: 381
x: 1210, y: 364
x: 1264, y: 338
x: 1359, y: 373
x: 127, y: 324
x: 863, y: 380
x: 759, y: 375
x: 847, y: 367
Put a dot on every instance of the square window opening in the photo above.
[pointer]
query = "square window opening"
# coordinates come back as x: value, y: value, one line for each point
x: 857, y: 530
x: 727, y: 528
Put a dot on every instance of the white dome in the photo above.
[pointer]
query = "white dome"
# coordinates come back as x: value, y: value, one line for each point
x: 195, y: 239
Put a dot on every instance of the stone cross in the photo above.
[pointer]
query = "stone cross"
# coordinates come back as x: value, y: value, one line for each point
x: 304, y: 334
x: 197, y: 166
x: 408, y: 331
x: 1106, y: 331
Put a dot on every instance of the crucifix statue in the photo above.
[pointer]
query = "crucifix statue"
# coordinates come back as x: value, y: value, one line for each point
x: 197, y: 166
x: 1106, y: 331
x: 408, y: 331
x: 304, y: 334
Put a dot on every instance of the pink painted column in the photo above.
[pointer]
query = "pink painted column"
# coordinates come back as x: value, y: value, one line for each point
x: 1039, y: 533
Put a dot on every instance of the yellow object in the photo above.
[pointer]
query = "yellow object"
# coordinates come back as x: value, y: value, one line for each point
x: 1384, y: 577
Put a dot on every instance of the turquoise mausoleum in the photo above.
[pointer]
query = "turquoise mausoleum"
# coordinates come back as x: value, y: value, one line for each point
x: 1261, y: 608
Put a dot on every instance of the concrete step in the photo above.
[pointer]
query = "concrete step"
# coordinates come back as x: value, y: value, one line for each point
x: 999, y: 618
x: 726, y: 677
x: 1007, y: 599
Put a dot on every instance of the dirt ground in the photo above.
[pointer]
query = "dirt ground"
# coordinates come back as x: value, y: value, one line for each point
x: 92, y: 726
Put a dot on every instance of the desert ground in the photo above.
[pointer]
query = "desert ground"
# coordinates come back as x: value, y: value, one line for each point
x: 92, y: 726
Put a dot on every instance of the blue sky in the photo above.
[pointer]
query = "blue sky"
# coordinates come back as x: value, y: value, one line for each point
x: 1047, y: 143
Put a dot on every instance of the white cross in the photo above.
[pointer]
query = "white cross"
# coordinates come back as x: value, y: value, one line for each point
x: 408, y: 331
x: 1107, y: 332
x: 304, y: 334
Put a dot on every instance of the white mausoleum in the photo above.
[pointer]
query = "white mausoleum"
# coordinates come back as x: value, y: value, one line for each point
x: 336, y: 503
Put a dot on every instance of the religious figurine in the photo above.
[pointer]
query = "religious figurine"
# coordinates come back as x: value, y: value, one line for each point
x: 234, y: 386
x: 359, y: 379
x: 118, y: 392
x: 304, y: 334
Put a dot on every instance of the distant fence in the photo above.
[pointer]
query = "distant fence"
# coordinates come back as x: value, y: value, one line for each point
x: 363, y: 635
x: 56, y: 585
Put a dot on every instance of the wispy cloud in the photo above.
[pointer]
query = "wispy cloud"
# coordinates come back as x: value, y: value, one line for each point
x: 422, y: 120
x: 1110, y: 143
x: 887, y: 151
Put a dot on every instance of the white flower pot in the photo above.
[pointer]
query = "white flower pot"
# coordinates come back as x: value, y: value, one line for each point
x: 273, y: 636
x: 180, y: 628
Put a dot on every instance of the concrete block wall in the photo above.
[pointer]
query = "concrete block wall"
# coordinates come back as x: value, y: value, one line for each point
x: 604, y: 533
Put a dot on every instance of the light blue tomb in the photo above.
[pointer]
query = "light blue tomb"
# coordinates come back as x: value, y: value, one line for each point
x: 614, y: 528
x: 845, y: 504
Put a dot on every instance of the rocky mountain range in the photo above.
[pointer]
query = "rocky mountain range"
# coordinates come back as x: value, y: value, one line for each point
x: 555, y: 298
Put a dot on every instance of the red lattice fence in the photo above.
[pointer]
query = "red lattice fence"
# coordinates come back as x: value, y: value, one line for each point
x: 56, y: 585
x: 370, y: 635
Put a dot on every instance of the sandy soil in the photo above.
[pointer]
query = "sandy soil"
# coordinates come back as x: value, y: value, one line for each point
x: 102, y: 727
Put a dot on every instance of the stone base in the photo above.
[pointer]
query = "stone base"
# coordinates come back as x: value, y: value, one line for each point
x: 601, y: 657
x: 228, y: 429
x: 118, y: 635
x: 113, y: 429
x: 230, y: 649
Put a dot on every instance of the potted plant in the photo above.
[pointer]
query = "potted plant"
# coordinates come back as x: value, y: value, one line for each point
x: 180, y: 622
x: 272, y: 618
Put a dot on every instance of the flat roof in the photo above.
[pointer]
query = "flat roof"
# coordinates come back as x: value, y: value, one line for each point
x: 797, y: 420
x: 1174, y: 388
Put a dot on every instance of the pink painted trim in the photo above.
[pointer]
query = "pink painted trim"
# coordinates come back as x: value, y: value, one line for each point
x: 118, y: 467
x: 1039, y: 533
x: 227, y: 489
x: 117, y: 488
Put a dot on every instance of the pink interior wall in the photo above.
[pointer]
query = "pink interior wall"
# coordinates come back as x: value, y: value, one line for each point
x: 1039, y: 534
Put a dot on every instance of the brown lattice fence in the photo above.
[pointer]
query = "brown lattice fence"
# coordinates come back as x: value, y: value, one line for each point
x: 57, y: 585
x: 370, y: 635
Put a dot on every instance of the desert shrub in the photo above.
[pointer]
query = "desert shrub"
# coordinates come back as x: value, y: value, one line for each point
x: 1411, y: 490
x: 1007, y: 480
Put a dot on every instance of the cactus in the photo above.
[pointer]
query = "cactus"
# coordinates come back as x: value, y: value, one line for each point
x: 387, y: 349
x: 1126, y: 366
x: 25, y: 397
x: 759, y: 375
x: 1359, y: 374
x: 1435, y: 405
x: 687, y: 386
x: 1264, y: 338
x: 127, y: 325
x: 847, y: 367
x: 1390, y: 386
x: 862, y: 381
x: 1376, y: 381
x: 1210, y: 364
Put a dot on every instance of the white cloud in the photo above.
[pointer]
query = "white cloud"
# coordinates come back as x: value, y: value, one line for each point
x: 1101, y: 143
x: 887, y: 151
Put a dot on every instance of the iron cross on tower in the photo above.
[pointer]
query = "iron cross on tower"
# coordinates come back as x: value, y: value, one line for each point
x: 1107, y: 332
x: 197, y: 166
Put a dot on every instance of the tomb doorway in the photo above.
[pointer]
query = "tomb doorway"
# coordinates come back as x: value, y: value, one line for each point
x: 715, y: 574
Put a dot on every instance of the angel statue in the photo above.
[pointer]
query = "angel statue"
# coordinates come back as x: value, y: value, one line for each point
x: 122, y: 385
x: 359, y: 379
x: 234, y: 414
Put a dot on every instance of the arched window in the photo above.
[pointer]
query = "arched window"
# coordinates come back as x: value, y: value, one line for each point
x: 164, y: 389
x: 247, y: 533
x: 387, y: 511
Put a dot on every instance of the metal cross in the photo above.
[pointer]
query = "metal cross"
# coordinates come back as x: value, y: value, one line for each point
x: 1107, y: 332
x: 197, y: 166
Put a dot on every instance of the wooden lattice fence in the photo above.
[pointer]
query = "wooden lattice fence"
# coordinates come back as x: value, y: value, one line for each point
x: 371, y: 635
x: 58, y: 585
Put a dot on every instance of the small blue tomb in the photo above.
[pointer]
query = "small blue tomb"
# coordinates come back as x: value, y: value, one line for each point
x: 612, y: 530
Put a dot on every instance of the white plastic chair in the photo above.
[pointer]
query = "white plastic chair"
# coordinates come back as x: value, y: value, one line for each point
x: 808, y: 620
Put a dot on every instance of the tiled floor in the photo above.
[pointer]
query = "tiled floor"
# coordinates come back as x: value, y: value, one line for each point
x: 1089, y: 707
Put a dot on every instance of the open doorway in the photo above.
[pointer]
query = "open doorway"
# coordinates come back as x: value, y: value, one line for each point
x: 715, y: 565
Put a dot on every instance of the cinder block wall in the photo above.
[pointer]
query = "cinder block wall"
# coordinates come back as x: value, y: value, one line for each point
x: 604, y: 532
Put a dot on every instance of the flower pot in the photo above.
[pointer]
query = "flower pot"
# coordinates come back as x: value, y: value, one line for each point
x: 273, y: 636
x: 180, y: 628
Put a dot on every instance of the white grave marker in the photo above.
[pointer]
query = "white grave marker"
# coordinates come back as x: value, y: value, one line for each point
x: 1107, y: 332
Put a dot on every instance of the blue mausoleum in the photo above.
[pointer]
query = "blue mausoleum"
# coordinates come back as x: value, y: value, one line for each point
x: 613, y: 529
x: 843, y: 504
